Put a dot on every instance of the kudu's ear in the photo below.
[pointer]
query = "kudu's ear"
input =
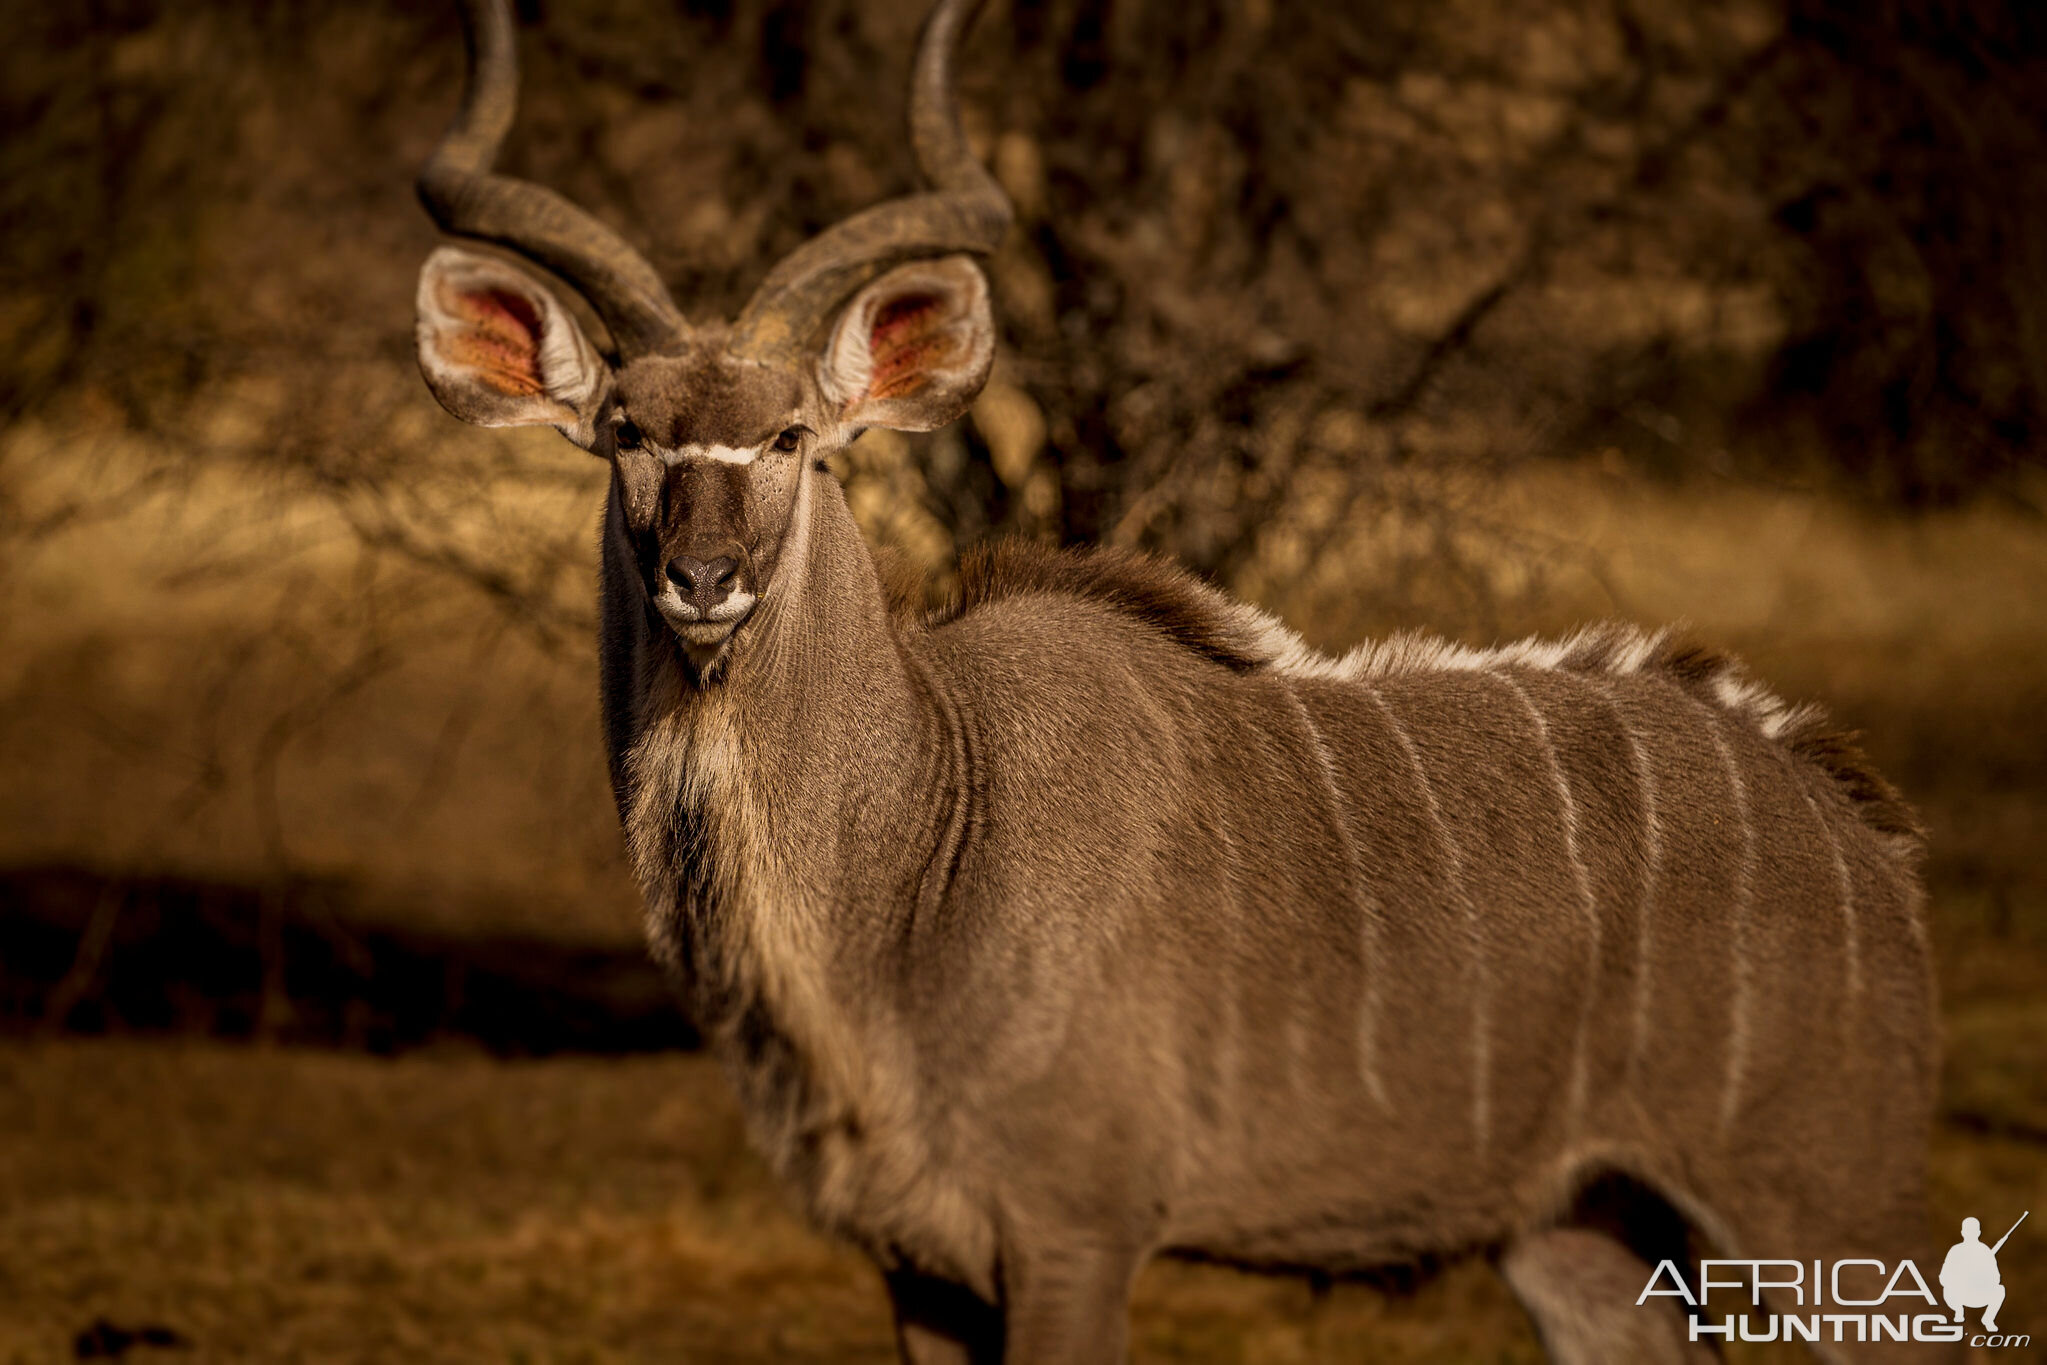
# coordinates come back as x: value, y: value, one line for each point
x: 498, y: 349
x: 913, y: 348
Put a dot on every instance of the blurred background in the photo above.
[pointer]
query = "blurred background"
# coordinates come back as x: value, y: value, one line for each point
x: 324, y: 1026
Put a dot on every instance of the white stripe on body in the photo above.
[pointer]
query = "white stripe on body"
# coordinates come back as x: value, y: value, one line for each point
x: 1229, y: 1041
x: 1575, y: 1103
x: 1367, y: 909
x: 1740, y: 1024
x: 1652, y: 859
x: 1851, y: 933
x: 1481, y: 1001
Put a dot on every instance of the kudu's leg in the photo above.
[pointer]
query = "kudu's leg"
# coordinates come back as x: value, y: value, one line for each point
x: 940, y: 1323
x: 1067, y: 1304
x: 1580, y: 1287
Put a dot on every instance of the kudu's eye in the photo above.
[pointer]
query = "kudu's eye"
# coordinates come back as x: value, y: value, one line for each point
x: 628, y: 436
x: 789, y: 440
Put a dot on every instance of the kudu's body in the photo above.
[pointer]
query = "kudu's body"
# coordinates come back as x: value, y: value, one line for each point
x: 1097, y: 916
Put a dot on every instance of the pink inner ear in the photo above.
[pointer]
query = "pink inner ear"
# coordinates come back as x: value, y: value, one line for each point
x: 499, y: 339
x: 907, y: 339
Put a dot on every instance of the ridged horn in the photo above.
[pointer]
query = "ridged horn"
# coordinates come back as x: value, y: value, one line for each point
x: 466, y: 199
x: 964, y: 210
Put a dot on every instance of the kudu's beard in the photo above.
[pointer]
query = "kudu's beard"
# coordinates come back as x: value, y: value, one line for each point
x: 705, y: 638
x: 706, y: 650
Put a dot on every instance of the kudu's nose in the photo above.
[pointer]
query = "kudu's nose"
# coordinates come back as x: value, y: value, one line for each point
x: 703, y: 585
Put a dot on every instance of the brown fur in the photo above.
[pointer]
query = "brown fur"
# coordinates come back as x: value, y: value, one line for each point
x: 1811, y: 736
x: 1166, y: 598
x: 1157, y: 594
x: 703, y: 396
x: 1094, y: 915
x: 1878, y: 804
x: 1039, y: 931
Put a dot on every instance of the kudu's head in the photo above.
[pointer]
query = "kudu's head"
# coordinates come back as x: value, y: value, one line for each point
x: 879, y: 321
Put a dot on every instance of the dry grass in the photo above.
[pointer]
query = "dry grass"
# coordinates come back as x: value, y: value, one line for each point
x: 278, y: 1206
x: 220, y: 677
x: 274, y: 1206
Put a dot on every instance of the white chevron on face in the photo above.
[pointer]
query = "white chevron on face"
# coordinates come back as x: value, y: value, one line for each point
x: 721, y: 454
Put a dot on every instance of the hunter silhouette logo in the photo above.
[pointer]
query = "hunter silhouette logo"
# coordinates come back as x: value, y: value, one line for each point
x: 1832, y: 1301
x: 1969, y: 1279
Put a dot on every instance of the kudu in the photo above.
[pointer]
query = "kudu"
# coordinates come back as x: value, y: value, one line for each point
x: 1097, y: 916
